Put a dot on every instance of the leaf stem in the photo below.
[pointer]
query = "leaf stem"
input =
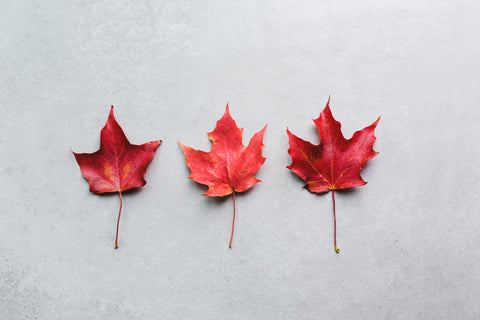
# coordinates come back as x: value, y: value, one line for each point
x: 233, y: 223
x: 334, y: 223
x: 118, y: 221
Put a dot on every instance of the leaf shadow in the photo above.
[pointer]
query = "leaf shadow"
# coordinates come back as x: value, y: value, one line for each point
x: 115, y: 193
x: 346, y: 191
x: 323, y: 194
x: 132, y: 191
x: 218, y: 200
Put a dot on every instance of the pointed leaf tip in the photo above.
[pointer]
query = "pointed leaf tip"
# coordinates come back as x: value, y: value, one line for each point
x: 227, y: 112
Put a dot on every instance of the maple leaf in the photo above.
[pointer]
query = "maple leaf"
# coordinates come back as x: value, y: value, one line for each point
x: 118, y: 165
x: 336, y: 162
x: 229, y: 167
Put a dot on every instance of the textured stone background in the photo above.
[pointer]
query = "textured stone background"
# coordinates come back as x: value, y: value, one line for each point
x: 409, y: 239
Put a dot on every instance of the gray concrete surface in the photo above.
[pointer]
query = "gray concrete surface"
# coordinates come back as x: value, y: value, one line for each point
x: 409, y: 239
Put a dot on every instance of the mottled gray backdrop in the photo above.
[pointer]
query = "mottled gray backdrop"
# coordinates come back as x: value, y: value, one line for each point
x: 409, y: 239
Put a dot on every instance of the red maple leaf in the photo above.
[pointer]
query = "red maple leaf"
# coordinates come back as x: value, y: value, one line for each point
x: 336, y: 162
x: 118, y: 165
x: 229, y: 167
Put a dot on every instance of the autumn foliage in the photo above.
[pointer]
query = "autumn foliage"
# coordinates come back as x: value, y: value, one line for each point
x: 118, y: 165
x: 230, y: 166
x: 336, y: 162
